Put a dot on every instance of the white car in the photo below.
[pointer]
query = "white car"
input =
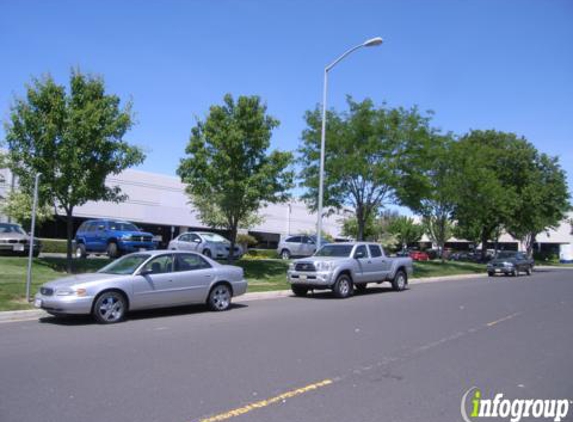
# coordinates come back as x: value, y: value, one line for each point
x: 209, y: 244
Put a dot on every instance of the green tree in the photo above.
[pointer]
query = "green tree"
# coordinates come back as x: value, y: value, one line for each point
x: 542, y: 198
x: 18, y: 206
x: 362, y: 159
x: 406, y: 230
x: 487, y: 163
x: 228, y: 163
x: 350, y: 227
x: 74, y: 139
x: 427, y: 187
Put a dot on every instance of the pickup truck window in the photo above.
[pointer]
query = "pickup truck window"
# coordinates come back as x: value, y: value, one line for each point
x: 375, y: 251
x: 335, y: 250
x: 361, y: 252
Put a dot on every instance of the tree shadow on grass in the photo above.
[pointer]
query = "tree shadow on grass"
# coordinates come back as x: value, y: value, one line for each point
x: 79, y: 266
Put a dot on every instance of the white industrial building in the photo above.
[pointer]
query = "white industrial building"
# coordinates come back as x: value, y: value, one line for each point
x: 158, y: 204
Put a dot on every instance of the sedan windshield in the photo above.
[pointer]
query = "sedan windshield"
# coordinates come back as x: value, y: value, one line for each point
x: 213, y: 237
x: 126, y: 265
x: 11, y: 228
x: 335, y: 250
x: 506, y: 255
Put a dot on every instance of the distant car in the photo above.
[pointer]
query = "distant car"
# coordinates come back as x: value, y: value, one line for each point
x: 15, y: 241
x: 209, y: 244
x: 510, y: 262
x: 297, y: 246
x: 419, y: 256
x: 144, y: 280
x: 111, y: 237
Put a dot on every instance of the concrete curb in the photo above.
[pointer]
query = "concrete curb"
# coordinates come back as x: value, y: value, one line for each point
x: 14, y: 316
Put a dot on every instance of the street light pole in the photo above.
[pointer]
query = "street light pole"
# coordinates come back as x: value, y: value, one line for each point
x: 368, y: 43
x: 32, y: 228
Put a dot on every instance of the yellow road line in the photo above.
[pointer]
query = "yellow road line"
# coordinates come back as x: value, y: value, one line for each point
x: 491, y: 324
x: 264, y: 403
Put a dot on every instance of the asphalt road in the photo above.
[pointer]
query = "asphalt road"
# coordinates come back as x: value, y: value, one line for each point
x: 379, y: 356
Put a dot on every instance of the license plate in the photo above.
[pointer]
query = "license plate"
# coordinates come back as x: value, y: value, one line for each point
x: 497, y: 270
x: 38, y: 303
x: 18, y: 248
x: 302, y: 276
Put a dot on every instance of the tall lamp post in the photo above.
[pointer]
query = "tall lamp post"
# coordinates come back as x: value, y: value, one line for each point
x: 373, y: 42
x: 32, y: 228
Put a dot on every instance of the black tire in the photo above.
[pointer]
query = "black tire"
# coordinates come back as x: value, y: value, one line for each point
x: 112, y: 250
x: 207, y: 253
x: 36, y: 253
x: 80, y: 251
x: 285, y: 254
x: 529, y: 270
x: 109, y: 307
x: 299, y: 290
x: 220, y: 298
x: 343, y: 286
x: 490, y: 274
x: 361, y: 288
x: 399, y: 281
x: 514, y: 273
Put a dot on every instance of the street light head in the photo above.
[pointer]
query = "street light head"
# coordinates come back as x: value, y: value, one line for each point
x: 372, y: 42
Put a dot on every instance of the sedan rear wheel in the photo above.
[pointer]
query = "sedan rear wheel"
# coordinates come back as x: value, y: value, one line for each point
x: 285, y: 254
x: 110, y: 307
x: 220, y: 298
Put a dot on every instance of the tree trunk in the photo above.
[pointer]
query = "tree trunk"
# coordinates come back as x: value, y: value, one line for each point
x: 69, y: 236
x: 233, y: 236
x: 529, y: 242
x: 484, y: 239
x: 361, y: 223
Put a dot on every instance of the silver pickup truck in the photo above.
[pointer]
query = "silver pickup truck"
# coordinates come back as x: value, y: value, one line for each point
x: 343, y: 266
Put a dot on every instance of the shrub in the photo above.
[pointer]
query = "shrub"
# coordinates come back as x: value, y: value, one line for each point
x: 246, y: 240
x: 261, y: 254
x: 53, y: 245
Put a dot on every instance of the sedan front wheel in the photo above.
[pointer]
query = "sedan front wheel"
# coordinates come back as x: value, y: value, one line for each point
x: 109, y: 307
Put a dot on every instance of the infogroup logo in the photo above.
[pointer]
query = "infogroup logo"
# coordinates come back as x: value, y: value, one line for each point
x: 513, y: 409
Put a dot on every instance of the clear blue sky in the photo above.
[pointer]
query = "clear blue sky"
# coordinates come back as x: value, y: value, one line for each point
x: 501, y: 64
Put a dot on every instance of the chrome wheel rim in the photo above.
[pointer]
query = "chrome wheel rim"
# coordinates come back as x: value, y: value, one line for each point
x: 285, y: 255
x: 221, y: 298
x: 344, y: 287
x: 401, y: 282
x: 111, y: 309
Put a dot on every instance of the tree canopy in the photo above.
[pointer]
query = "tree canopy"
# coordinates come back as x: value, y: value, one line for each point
x: 228, y: 169
x: 364, y: 149
x: 75, y: 139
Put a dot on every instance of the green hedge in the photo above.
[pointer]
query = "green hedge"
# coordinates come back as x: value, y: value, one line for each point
x: 53, y: 245
x: 261, y: 254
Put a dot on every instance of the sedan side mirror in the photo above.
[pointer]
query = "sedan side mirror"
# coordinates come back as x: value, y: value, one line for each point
x: 145, y: 272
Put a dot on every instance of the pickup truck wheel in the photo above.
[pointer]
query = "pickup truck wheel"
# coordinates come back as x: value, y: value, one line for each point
x: 399, y: 281
x: 490, y: 274
x: 528, y: 270
x: 361, y: 288
x: 299, y: 290
x: 343, y: 287
x: 112, y: 250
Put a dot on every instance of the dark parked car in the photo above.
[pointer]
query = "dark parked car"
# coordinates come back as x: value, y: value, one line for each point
x: 14, y: 240
x: 111, y: 237
x: 510, y: 262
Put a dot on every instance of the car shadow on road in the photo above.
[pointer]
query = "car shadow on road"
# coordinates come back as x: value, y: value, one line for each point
x: 327, y: 294
x: 74, y: 320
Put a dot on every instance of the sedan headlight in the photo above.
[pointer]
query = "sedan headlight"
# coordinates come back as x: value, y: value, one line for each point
x: 324, y: 265
x: 67, y: 291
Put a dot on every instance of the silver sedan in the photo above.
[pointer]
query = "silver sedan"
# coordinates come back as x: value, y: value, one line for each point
x: 153, y: 279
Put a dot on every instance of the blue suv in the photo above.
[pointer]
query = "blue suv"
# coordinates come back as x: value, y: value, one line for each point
x: 111, y: 237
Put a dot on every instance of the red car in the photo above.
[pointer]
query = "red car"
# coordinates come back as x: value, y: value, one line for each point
x: 419, y: 256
